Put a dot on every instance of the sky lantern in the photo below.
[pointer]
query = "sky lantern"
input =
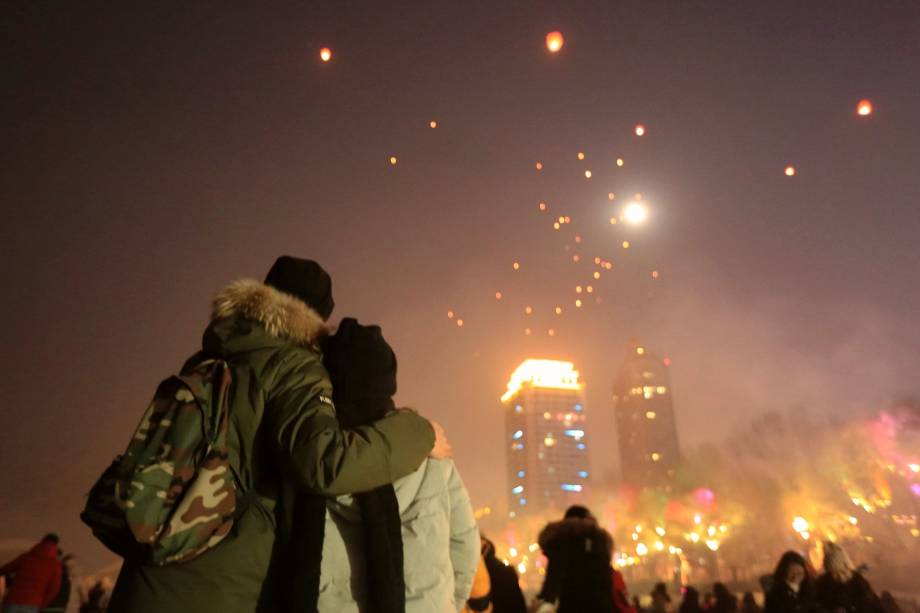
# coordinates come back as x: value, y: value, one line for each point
x: 554, y: 41
x: 393, y: 160
x: 640, y: 129
x: 558, y: 310
x: 635, y: 213
x: 625, y: 244
x: 655, y: 274
x: 325, y: 54
x: 528, y: 310
x: 516, y: 266
x: 450, y: 315
x: 581, y: 155
x: 620, y: 162
x: 539, y: 165
x: 551, y: 332
x: 790, y: 171
x: 610, y: 195
x: 587, y: 174
x: 498, y: 295
x: 542, y: 206
x: 526, y: 331
x: 864, y: 108
x: 459, y: 323
x: 432, y: 124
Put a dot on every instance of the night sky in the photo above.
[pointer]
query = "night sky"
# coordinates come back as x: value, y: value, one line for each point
x: 154, y: 152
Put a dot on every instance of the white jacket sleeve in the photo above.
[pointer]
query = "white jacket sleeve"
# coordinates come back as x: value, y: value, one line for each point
x: 464, y: 538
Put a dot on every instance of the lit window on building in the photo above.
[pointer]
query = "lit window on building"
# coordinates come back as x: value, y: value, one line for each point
x: 576, y: 434
x: 581, y: 446
x: 583, y: 474
x: 650, y: 415
x: 520, y: 473
x: 571, y: 487
x: 517, y: 489
x: 549, y: 441
x: 518, y: 434
x: 648, y: 391
x: 662, y: 389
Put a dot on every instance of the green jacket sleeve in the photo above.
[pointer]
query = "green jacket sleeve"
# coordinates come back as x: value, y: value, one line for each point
x: 464, y: 537
x: 323, y: 458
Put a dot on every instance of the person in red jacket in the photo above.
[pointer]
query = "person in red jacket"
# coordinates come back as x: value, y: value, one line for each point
x: 36, y: 578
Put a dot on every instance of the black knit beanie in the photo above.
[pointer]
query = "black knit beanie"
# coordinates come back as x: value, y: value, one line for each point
x: 361, y: 365
x: 305, y: 280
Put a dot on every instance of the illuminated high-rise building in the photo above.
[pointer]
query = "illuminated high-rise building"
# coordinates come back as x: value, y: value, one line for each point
x: 545, y: 426
x: 646, y: 427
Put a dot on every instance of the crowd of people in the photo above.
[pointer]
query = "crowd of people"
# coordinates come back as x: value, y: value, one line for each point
x: 342, y: 501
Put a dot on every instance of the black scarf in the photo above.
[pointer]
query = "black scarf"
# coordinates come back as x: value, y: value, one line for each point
x: 382, y: 529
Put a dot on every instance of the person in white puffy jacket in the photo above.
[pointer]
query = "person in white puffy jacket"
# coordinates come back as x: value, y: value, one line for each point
x: 429, y: 510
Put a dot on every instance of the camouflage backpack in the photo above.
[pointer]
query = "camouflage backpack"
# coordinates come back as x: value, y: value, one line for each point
x: 173, y: 494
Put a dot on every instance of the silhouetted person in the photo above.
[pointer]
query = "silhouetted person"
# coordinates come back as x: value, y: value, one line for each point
x: 889, y: 604
x: 748, y: 604
x: 506, y: 589
x: 661, y: 600
x: 842, y: 589
x: 37, y: 578
x: 691, y: 602
x: 791, y: 589
x: 578, y: 568
x: 726, y: 602
x: 95, y: 600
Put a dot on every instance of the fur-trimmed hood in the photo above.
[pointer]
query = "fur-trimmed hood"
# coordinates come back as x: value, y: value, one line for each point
x: 574, y: 530
x: 282, y: 315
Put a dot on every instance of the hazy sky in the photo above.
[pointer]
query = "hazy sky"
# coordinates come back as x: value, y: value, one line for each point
x: 153, y: 153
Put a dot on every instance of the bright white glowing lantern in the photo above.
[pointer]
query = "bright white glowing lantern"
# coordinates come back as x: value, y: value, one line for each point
x: 635, y: 213
x: 325, y: 54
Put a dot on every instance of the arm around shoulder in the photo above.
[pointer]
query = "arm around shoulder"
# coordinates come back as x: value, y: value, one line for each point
x: 324, y: 458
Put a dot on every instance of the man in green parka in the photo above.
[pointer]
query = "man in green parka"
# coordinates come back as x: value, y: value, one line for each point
x: 284, y: 440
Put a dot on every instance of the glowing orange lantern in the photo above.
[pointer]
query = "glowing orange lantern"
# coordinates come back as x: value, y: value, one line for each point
x: 581, y: 155
x: 625, y: 244
x: 551, y: 332
x: 526, y: 331
x: 450, y: 315
x: 640, y: 130
x: 325, y: 54
x: 539, y: 165
x: 516, y: 265
x: 393, y: 160
x: 498, y: 295
x: 587, y: 174
x: 554, y: 41
x: 620, y: 162
x: 459, y: 323
x: 790, y: 171
x: 864, y: 108
x: 542, y: 206
x: 528, y: 310
x: 610, y: 195
x: 432, y: 124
